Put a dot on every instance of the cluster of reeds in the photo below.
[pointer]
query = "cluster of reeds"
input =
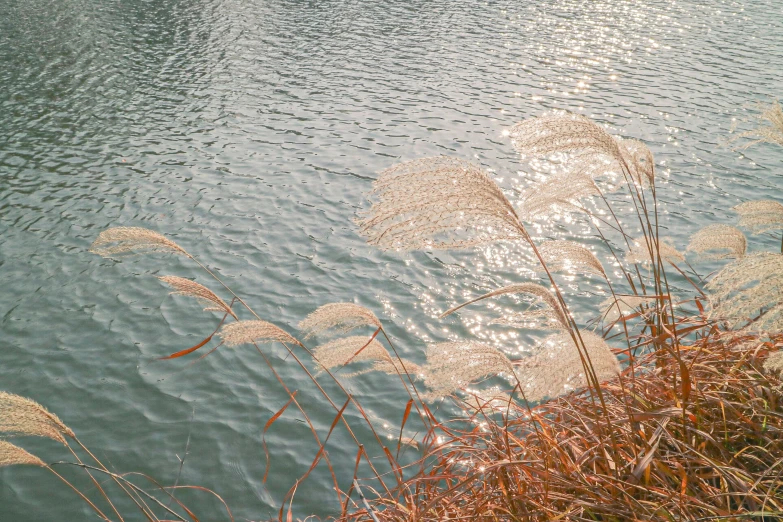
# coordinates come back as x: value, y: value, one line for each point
x: 661, y: 408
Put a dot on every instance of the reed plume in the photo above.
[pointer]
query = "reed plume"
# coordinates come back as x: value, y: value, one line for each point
x: 760, y: 215
x: 557, y: 367
x: 359, y: 348
x: 729, y: 239
x: 11, y: 455
x: 454, y: 365
x: 774, y: 363
x: 342, y: 317
x: 745, y: 288
x: 545, y: 319
x: 595, y: 150
x: 22, y: 416
x: 562, y: 255
x: 133, y: 240
x: 771, y: 130
x: 560, y: 193
x: 542, y: 294
x: 438, y: 202
x: 246, y: 332
x: 199, y: 292
x: 640, y: 252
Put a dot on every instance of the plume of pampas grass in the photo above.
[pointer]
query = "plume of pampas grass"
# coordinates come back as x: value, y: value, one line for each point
x: 560, y: 193
x: 438, y: 202
x: 774, y: 363
x: 613, y: 308
x: 596, y: 151
x: 342, y: 317
x: 340, y: 352
x: 544, y: 295
x: 11, y: 455
x: 545, y: 319
x: 718, y: 237
x: 760, y: 215
x: 556, y: 367
x: 22, y: 416
x: 640, y: 254
x: 772, y: 129
x: 133, y: 240
x: 454, y: 365
x: 245, y: 332
x: 747, y: 286
x: 199, y: 292
x: 562, y: 255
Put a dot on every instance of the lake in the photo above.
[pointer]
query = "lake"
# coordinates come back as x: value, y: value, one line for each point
x: 250, y: 133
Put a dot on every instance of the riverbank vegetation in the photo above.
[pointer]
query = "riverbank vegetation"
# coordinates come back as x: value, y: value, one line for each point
x: 664, y: 404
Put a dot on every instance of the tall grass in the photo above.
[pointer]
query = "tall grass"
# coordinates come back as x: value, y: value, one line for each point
x: 660, y: 408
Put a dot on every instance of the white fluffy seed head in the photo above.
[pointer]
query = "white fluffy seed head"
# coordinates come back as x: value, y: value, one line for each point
x: 198, y: 292
x: 760, y: 215
x: 438, y: 202
x: 11, y: 455
x: 340, y: 317
x: 640, y: 252
x: 22, y: 416
x: 774, y: 363
x: 747, y: 288
x: 133, y: 240
x: 538, y: 291
x: 454, y: 365
x: 718, y: 242
x: 562, y: 255
x: 246, y: 332
x: 556, y: 367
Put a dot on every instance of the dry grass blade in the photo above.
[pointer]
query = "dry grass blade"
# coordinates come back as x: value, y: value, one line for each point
x: 544, y: 295
x: 11, y: 455
x: 245, y: 332
x: 454, y: 365
x: 557, y: 368
x: 760, y: 215
x: 742, y: 289
x: 22, y: 416
x: 561, y: 256
x: 342, y: 317
x: 640, y: 253
x: 133, y: 240
x: 718, y: 237
x: 772, y: 129
x: 199, y: 292
x: 438, y: 202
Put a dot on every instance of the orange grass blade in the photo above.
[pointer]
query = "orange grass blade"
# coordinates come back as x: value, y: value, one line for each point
x: 404, y: 420
x: 267, y: 426
x: 186, y: 351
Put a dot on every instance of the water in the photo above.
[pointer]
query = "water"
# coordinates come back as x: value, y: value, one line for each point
x: 249, y: 132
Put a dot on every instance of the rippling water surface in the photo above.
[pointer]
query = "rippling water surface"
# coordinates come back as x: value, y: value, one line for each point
x: 249, y: 132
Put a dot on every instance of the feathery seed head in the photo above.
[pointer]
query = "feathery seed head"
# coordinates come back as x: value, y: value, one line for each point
x: 564, y: 255
x: 774, y: 363
x: 245, y: 332
x: 560, y: 193
x: 561, y: 132
x: 342, y: 317
x: 133, y: 240
x: 718, y: 237
x: 438, y: 202
x: 199, y: 292
x: 557, y: 368
x: 640, y: 252
x: 544, y: 295
x: 10, y: 455
x: 760, y: 215
x: 357, y: 348
x: 746, y: 286
x: 772, y: 130
x: 454, y: 365
x: 22, y: 416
